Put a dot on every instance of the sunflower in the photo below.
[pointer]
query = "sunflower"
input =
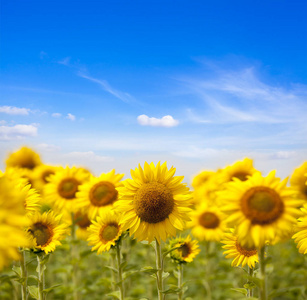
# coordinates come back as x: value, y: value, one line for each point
x: 154, y: 203
x: 105, y: 231
x: 298, y: 180
x: 261, y: 208
x: 61, y: 190
x: 41, y: 175
x: 83, y: 222
x: 240, y: 170
x: 46, y: 231
x: 187, y: 252
x: 24, y: 158
x: 242, y: 255
x: 99, y: 193
x: 206, y: 193
x: 208, y: 223
x: 201, y: 178
x: 32, y: 200
x: 300, y: 237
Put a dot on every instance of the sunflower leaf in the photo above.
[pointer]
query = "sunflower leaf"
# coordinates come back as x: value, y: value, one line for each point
x: 17, y: 270
x: 114, y: 294
x: 33, y: 291
x: 51, y: 288
x: 240, y: 290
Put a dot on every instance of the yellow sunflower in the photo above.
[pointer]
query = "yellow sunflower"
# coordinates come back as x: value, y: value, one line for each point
x: 154, y: 203
x: 61, y: 190
x: 99, y: 193
x: 242, y: 255
x: 206, y: 193
x: 41, y: 174
x: 240, y: 170
x: 208, y: 223
x: 32, y: 200
x: 300, y: 237
x: 24, y: 158
x: 83, y: 222
x: 105, y: 231
x: 201, y: 178
x: 261, y: 208
x: 187, y: 252
x: 46, y: 231
x: 298, y: 180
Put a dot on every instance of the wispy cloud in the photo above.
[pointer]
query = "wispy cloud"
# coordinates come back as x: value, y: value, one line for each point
x: 19, y: 131
x: 56, y: 115
x: 12, y: 110
x: 125, y: 97
x: 71, y: 117
x: 65, y: 61
x: 166, y: 121
x: 47, y: 147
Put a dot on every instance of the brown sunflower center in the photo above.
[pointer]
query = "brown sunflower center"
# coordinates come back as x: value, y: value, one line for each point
x: 45, y: 175
x: 68, y: 188
x: 241, y: 175
x: 153, y: 202
x: 103, y: 193
x: 82, y: 220
x: 109, y: 232
x: 246, y: 251
x: 304, y: 190
x: 184, y: 250
x: 209, y: 220
x: 28, y: 164
x: 262, y: 205
x: 42, y: 233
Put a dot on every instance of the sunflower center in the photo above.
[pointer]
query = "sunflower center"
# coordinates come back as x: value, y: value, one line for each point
x: 209, y: 220
x: 241, y: 175
x: 109, y: 232
x: 246, y: 251
x: 41, y: 233
x: 28, y: 164
x: 82, y: 220
x: 262, y: 205
x: 68, y: 188
x: 184, y: 250
x: 103, y: 193
x: 304, y: 190
x: 153, y: 202
x: 46, y: 174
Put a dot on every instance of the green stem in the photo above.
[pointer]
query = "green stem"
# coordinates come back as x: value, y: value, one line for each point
x: 41, y: 277
x: 120, y: 276
x: 263, y: 287
x: 113, y: 265
x: 160, y: 270
x: 24, y: 274
x: 74, y: 256
x: 180, y: 281
x: 250, y: 291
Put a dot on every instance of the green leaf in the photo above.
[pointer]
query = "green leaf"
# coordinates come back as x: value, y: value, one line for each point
x: 250, y: 285
x: 150, y: 270
x: 240, y: 290
x: 172, y: 291
x: 112, y: 269
x: 171, y: 250
x: 123, y: 265
x: 115, y: 294
x: 33, y: 291
x: 33, y: 277
x: 165, y: 275
x: 51, y: 288
x: 17, y: 270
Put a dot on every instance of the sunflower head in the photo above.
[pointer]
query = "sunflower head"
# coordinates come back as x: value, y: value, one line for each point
x: 105, y: 231
x: 298, y: 181
x: 201, y: 179
x: 241, y: 255
x: 24, y: 158
x: 261, y: 208
x: 187, y: 249
x: 46, y: 231
x: 154, y: 203
x: 40, y: 176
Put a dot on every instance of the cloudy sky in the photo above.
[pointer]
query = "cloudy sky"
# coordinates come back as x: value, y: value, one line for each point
x: 110, y: 84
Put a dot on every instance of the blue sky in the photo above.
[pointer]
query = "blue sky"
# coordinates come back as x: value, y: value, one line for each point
x: 110, y: 84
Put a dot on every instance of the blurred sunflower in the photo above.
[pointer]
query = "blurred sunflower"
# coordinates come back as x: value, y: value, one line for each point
x: 61, y: 190
x: 242, y: 255
x: 261, y: 208
x: 105, y: 231
x: 208, y: 223
x: 187, y: 252
x: 154, y: 203
x: 201, y: 178
x: 298, y: 180
x: 46, y: 231
x: 32, y: 200
x: 24, y: 158
x: 41, y: 174
x: 83, y: 222
x: 99, y: 193
x: 300, y: 237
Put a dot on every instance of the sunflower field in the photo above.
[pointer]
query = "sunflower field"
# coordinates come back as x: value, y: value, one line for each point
x: 68, y: 234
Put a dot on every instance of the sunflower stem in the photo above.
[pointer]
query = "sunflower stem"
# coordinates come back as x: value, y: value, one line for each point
x: 41, y: 278
x: 263, y: 287
x: 250, y: 290
x: 24, y: 274
x: 159, y: 265
x: 120, y: 276
x: 180, y: 281
x: 74, y: 257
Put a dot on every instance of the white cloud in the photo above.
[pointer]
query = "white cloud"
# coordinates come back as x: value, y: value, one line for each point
x: 56, y: 115
x: 65, y: 61
x: 86, y: 157
x: 2, y: 122
x: 12, y: 110
x: 71, y: 117
x: 166, y: 121
x: 18, y: 131
x: 47, y: 147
